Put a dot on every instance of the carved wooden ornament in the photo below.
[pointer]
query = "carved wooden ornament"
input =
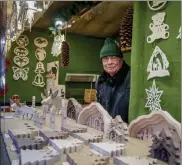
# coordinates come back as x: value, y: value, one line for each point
x: 153, y: 98
x: 158, y: 28
x: 156, y: 5
x: 157, y: 67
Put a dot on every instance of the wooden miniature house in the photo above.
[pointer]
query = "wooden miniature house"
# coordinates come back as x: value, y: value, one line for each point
x: 118, y: 131
x: 95, y: 116
x: 165, y: 133
x: 73, y: 109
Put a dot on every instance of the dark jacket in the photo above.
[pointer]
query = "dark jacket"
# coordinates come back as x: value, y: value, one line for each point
x: 113, y: 93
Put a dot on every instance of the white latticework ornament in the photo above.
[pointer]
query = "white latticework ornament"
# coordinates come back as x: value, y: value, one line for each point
x: 179, y: 35
x: 153, y: 98
x: 157, y: 67
x: 156, y: 5
x: 21, y: 51
x: 158, y: 28
x: 39, y: 81
x: 20, y: 73
x: 21, y: 61
x: 40, y: 68
x: 40, y: 54
x: 40, y: 42
x: 56, y: 47
x: 22, y: 41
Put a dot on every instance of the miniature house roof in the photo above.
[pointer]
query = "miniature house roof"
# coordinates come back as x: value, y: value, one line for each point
x: 92, y: 109
x: 160, y: 119
x: 75, y: 103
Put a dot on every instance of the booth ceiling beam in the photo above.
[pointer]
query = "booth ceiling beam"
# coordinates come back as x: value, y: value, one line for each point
x: 104, y: 24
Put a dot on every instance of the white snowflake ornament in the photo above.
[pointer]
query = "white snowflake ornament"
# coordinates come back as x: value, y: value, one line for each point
x: 158, y: 64
x: 179, y: 35
x: 153, y: 98
x: 158, y: 28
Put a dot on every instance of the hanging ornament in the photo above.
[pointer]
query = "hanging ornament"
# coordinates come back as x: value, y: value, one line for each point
x: 40, y: 54
x: 40, y: 42
x: 153, y: 98
x: 65, y: 54
x: 22, y: 41
x: 57, y: 44
x: 40, y: 68
x: 20, y: 73
x: 158, y: 28
x: 39, y: 81
x: 157, y: 67
x: 126, y: 30
x: 21, y: 51
x: 21, y: 61
x: 156, y: 5
x: 179, y: 35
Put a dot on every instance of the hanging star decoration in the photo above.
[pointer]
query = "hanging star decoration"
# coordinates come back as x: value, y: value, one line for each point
x: 153, y: 98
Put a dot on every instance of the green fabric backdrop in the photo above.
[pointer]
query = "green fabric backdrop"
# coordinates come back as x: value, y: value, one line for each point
x: 140, y: 56
x: 84, y: 58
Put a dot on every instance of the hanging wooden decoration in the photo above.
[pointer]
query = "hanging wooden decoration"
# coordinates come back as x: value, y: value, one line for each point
x: 22, y: 41
x: 153, y: 98
x: 39, y: 80
x: 126, y: 30
x: 65, y: 54
x: 21, y: 61
x: 156, y: 5
x: 57, y: 44
x: 40, y: 42
x: 20, y: 73
x: 40, y: 54
x: 21, y: 51
x: 158, y: 64
x: 158, y: 28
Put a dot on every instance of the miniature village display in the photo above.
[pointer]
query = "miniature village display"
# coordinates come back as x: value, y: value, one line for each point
x: 87, y: 136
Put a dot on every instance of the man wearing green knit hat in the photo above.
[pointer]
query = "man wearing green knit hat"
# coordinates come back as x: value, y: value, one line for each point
x: 113, y: 85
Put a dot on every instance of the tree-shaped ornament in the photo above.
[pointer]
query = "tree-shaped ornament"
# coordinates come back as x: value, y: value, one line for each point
x: 65, y: 50
x: 153, y: 98
x: 158, y: 64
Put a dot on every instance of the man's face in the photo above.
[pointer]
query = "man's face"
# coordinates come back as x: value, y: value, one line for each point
x: 111, y: 64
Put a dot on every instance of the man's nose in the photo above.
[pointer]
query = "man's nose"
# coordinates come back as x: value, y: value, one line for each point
x: 109, y: 60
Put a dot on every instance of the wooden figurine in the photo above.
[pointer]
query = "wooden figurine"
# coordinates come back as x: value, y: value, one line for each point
x: 53, y: 99
x: 52, y: 117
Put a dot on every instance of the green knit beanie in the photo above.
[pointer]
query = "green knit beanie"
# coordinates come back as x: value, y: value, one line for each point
x: 110, y: 48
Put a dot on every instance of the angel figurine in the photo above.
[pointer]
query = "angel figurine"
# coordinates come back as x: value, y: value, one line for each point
x: 56, y: 47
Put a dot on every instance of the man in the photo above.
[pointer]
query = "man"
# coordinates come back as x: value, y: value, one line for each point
x: 113, y: 85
